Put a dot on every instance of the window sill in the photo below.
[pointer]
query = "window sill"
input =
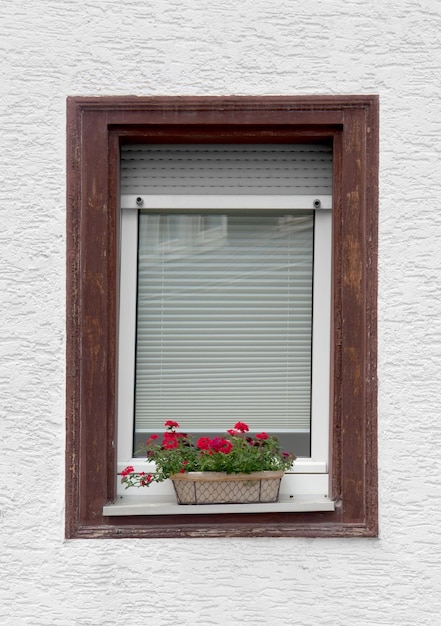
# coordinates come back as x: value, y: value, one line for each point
x: 163, y: 505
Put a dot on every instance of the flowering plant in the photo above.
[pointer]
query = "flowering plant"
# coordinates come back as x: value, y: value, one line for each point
x: 236, y: 453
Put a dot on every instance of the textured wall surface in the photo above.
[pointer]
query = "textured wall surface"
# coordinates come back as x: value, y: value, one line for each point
x: 51, y: 49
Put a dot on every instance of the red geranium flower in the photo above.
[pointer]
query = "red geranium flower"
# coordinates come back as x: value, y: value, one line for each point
x: 232, y: 432
x: 204, y: 443
x: 171, y: 424
x: 170, y: 436
x: 242, y: 427
x: 227, y: 446
x: 128, y: 470
x: 262, y: 436
x: 221, y: 445
x: 170, y: 443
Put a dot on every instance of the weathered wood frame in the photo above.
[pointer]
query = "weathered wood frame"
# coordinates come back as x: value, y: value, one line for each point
x: 96, y: 127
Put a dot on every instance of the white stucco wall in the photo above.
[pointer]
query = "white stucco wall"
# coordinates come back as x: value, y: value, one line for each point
x: 50, y: 49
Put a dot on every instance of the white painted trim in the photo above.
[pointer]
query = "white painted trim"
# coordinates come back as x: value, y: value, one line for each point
x: 207, y: 202
x: 127, y: 333
x: 321, y: 336
x: 131, y: 505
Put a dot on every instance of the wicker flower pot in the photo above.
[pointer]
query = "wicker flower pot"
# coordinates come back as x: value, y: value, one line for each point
x: 222, y: 488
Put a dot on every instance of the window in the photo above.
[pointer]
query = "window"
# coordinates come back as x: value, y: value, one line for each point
x: 219, y: 325
x: 97, y: 130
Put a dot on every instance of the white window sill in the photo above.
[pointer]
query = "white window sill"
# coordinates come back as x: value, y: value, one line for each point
x: 164, y: 505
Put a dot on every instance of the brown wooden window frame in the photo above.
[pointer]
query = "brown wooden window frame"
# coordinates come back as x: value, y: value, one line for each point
x: 96, y: 128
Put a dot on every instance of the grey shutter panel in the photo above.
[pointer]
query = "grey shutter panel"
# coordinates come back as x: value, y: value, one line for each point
x: 227, y: 169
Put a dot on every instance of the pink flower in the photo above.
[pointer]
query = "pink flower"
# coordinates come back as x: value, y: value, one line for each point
x: 128, y: 470
x: 262, y: 436
x: 153, y: 436
x: 171, y: 424
x: 242, y: 427
x: 232, y: 432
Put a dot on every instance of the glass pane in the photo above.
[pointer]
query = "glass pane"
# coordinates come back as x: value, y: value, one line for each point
x: 224, y: 322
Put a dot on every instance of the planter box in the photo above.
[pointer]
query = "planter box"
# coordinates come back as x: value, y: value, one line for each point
x: 222, y: 488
